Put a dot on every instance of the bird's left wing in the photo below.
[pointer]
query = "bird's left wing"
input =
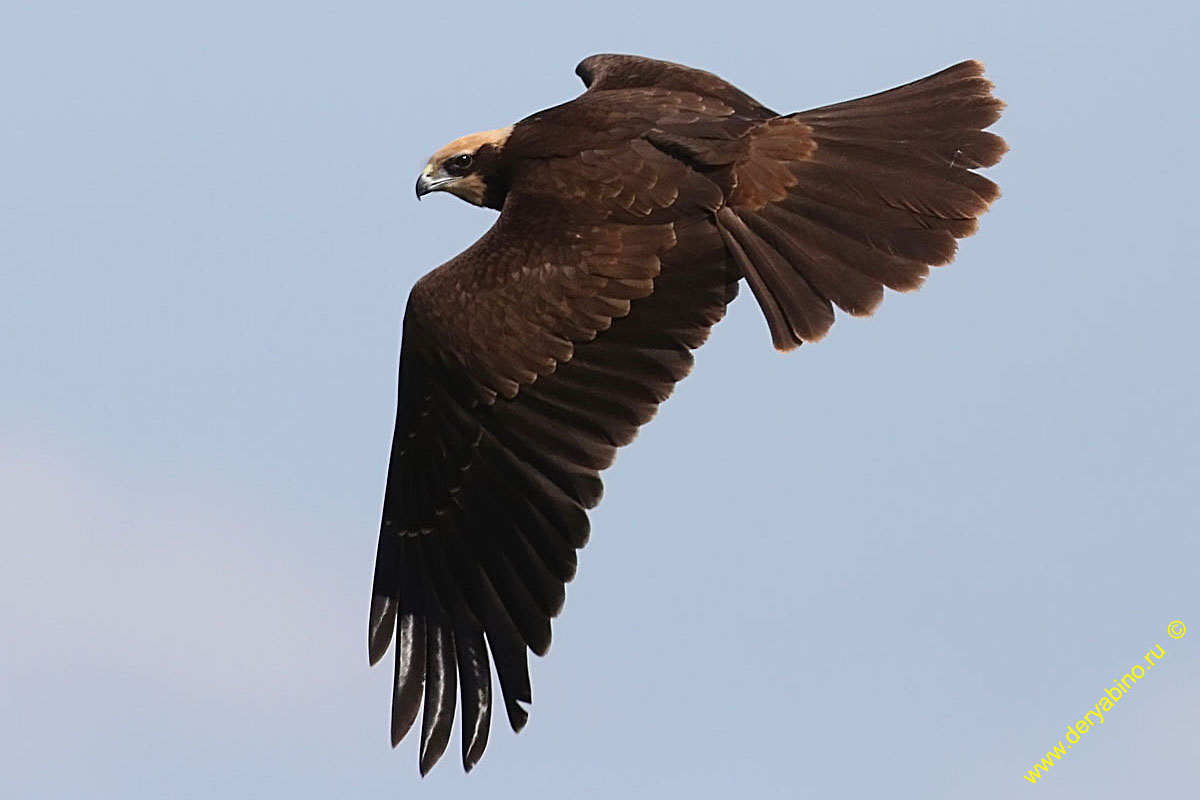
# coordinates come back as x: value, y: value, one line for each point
x: 612, y: 71
x: 526, y: 362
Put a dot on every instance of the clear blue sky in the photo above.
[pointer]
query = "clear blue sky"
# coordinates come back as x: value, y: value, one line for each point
x: 895, y: 564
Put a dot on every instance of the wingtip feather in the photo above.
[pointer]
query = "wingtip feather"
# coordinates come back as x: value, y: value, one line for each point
x: 381, y: 627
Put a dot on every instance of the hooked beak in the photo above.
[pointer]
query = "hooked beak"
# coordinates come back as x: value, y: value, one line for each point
x: 431, y: 181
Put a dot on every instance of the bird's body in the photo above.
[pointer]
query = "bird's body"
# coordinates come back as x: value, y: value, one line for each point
x: 628, y: 218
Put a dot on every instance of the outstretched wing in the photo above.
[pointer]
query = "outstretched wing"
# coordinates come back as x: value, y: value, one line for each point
x: 526, y: 362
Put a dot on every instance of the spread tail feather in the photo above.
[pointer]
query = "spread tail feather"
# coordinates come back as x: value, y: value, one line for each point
x: 877, y: 191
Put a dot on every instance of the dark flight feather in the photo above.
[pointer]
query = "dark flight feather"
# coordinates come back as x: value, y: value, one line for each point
x: 628, y: 218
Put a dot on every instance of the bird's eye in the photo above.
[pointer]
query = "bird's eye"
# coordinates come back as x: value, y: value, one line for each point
x: 459, y: 164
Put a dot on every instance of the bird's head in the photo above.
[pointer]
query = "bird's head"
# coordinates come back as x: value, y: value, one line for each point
x: 469, y: 168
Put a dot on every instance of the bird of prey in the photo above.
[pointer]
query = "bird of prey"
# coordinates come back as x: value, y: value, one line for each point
x: 628, y: 218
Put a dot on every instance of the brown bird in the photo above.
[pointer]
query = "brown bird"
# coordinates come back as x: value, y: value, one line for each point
x: 628, y: 216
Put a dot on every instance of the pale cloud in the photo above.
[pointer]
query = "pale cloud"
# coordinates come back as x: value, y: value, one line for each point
x: 170, y: 593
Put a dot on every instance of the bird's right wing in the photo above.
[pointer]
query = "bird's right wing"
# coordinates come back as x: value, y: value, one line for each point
x: 526, y: 362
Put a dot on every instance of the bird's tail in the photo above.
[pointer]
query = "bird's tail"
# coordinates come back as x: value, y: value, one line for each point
x: 838, y: 202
